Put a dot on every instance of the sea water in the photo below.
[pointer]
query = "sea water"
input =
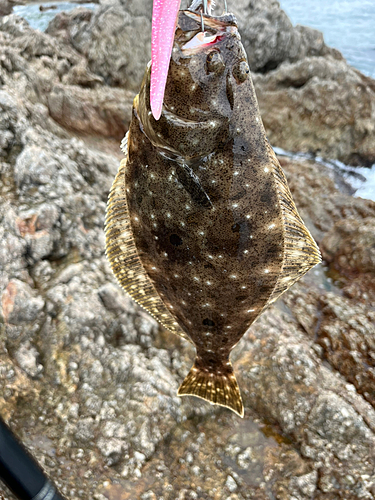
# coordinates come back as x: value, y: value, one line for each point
x: 38, y: 19
x: 347, y: 25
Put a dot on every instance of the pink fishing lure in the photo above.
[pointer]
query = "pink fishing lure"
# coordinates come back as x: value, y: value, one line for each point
x: 164, y: 17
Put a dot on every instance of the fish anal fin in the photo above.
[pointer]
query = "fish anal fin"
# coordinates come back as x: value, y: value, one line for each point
x: 216, y: 384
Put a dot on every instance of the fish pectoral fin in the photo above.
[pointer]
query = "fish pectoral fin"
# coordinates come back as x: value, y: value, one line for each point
x: 216, y: 384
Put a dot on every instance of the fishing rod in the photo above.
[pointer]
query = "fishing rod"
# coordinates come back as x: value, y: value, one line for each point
x: 20, y: 471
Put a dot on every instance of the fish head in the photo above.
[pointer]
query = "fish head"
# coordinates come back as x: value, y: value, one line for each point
x: 205, y: 70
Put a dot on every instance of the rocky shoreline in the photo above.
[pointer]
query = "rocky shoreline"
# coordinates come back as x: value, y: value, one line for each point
x: 87, y: 379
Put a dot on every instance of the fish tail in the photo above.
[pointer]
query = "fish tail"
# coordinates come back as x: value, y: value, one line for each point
x: 216, y: 384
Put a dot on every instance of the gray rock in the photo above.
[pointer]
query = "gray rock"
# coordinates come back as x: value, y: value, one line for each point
x: 86, y: 377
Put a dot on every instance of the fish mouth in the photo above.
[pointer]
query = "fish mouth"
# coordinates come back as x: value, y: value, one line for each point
x: 197, y: 31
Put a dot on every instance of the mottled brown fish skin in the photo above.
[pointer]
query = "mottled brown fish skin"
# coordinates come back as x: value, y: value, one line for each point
x: 205, y: 205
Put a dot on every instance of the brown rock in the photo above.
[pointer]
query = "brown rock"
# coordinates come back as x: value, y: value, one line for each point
x: 106, y: 40
x: 347, y: 334
x: 6, y: 7
x: 270, y: 38
x: 350, y: 246
x: 100, y: 111
x: 319, y: 105
x: 319, y: 201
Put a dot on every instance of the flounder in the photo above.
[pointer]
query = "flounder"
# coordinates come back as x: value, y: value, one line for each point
x: 201, y: 228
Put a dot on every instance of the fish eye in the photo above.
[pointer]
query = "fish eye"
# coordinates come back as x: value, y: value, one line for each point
x: 241, y: 71
x: 215, y: 62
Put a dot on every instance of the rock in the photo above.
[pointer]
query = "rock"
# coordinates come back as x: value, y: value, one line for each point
x: 350, y: 246
x: 27, y: 358
x: 319, y: 201
x: 6, y: 7
x: 87, y: 377
x: 58, y: 77
x: 106, y: 41
x: 309, y: 402
x: 270, y: 38
x: 302, y: 107
x: 103, y: 111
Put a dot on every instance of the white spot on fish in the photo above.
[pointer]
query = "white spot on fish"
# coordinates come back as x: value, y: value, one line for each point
x: 271, y: 226
x: 266, y: 271
x: 246, y: 251
x: 266, y: 169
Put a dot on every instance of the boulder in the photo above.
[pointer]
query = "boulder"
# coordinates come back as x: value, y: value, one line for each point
x: 106, y: 40
x: 322, y: 106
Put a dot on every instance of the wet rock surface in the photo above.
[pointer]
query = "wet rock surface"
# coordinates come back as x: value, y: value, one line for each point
x: 88, y: 380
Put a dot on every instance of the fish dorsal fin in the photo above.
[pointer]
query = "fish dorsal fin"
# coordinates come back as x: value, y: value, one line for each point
x: 301, y: 253
x: 123, y: 257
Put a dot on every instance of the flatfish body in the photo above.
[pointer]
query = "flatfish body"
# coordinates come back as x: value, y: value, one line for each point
x: 201, y: 227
